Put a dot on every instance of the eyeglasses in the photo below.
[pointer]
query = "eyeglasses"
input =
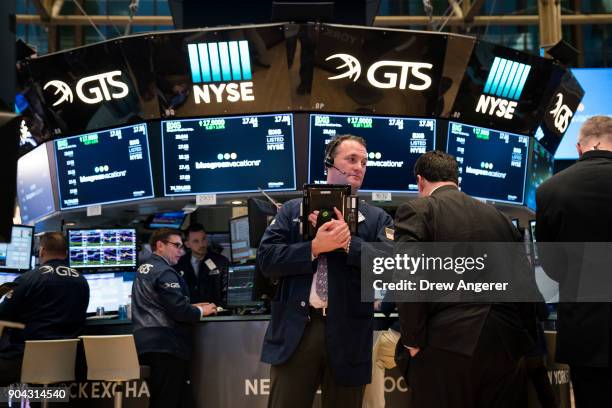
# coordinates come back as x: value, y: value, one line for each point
x: 177, y: 245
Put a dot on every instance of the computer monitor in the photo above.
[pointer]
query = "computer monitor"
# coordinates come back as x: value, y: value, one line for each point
x: 7, y: 277
x: 261, y: 213
x: 240, y: 244
x: 170, y: 219
x: 492, y: 164
x: 394, y: 144
x: 109, y: 290
x: 240, y: 286
x: 228, y: 154
x: 220, y: 241
x: 102, y: 248
x: 104, y: 167
x: 17, y: 255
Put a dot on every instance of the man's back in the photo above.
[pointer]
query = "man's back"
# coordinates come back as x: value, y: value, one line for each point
x: 449, y: 215
x: 576, y: 206
x: 52, y: 302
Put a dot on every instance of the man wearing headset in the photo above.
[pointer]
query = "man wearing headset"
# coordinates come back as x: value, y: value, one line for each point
x: 320, y: 333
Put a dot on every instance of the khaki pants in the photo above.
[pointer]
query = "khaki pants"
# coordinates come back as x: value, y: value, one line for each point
x: 383, y: 357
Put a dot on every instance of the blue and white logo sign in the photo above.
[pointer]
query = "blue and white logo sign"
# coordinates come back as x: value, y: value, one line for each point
x: 503, y: 88
x: 221, y: 71
x: 507, y: 79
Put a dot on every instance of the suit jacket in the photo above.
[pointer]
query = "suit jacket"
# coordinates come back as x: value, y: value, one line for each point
x: 285, y: 256
x: 448, y: 215
x: 575, y: 205
x: 211, y: 284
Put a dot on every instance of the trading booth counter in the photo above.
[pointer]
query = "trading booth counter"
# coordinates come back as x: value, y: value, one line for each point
x: 227, y: 371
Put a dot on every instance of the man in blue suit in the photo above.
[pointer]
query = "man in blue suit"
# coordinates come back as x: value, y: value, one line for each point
x: 320, y: 333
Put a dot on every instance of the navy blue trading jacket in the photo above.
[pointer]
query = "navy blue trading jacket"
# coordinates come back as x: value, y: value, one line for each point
x: 283, y: 254
x: 50, y: 300
x: 162, y: 314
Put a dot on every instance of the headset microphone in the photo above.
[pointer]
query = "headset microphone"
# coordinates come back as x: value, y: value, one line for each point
x: 329, y: 163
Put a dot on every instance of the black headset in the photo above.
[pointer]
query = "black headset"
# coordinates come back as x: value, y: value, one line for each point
x: 329, y: 150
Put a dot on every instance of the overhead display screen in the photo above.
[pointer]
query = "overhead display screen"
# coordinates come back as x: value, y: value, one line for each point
x: 34, y: 189
x: 104, y: 167
x: 102, y: 248
x: 228, y: 155
x: 596, y: 82
x: 492, y: 164
x: 393, y: 144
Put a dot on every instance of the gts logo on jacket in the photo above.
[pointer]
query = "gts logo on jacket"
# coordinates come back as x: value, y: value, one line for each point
x: 60, y: 271
x: 145, y: 268
x: 173, y: 285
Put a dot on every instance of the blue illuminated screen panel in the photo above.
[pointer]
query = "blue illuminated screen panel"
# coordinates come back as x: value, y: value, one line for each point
x: 541, y: 169
x: 596, y: 83
x: 104, y: 167
x: 102, y: 248
x: 393, y: 144
x: 492, y: 164
x: 34, y: 190
x: 228, y: 155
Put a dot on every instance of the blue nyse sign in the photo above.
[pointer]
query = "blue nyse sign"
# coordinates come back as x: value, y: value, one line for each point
x: 221, y: 71
x: 503, y: 88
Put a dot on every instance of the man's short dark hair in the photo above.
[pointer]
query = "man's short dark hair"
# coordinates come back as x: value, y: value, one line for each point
x: 195, y: 227
x: 437, y: 166
x: 162, y: 234
x: 54, y: 243
x: 332, y: 146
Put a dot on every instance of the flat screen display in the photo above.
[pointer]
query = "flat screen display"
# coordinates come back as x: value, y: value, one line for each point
x: 171, y: 219
x: 7, y: 277
x: 541, y: 169
x: 393, y: 144
x: 34, y: 190
x: 17, y: 255
x: 109, y: 290
x: 240, y: 285
x: 228, y: 155
x: 596, y: 83
x: 240, y: 245
x: 104, y: 167
x: 492, y: 164
x: 102, y: 248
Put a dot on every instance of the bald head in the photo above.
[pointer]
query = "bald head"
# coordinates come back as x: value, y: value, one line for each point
x: 595, y: 134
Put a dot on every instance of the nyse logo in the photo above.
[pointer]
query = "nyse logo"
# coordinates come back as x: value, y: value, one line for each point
x: 561, y: 114
x: 92, y: 89
x: 396, y: 74
x: 221, y: 71
x: 504, y: 87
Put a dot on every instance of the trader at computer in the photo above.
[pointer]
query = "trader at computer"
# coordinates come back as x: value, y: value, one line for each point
x: 163, y: 317
x: 50, y: 300
x: 320, y: 333
x: 204, y: 271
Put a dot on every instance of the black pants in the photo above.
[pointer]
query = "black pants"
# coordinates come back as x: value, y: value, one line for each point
x: 168, y: 381
x: 488, y: 379
x: 592, y: 386
x: 295, y: 383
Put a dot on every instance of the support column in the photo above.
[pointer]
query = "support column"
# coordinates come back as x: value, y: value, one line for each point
x: 549, y: 12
